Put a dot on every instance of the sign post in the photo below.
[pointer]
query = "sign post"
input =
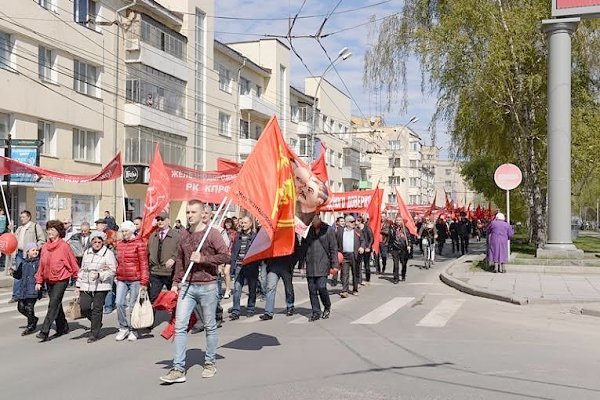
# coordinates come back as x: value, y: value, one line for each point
x: 508, y: 177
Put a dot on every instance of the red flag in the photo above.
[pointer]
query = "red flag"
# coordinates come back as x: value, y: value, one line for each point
x: 157, y: 196
x: 319, y: 166
x: 448, y: 203
x: 224, y: 164
x: 409, y: 222
x: 265, y: 187
x: 374, y: 212
x: 432, y: 207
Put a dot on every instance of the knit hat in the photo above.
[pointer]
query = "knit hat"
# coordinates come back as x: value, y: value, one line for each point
x: 127, y: 226
x: 98, y: 234
x: 500, y: 216
x: 29, y: 246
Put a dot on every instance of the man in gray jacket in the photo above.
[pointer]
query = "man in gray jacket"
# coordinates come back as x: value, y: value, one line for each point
x: 162, y: 252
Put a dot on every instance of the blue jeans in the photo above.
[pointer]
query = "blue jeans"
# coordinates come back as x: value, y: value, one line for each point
x: 109, y: 301
x: 249, y: 273
x: 285, y: 273
x: 17, y: 282
x: 262, y: 278
x: 123, y: 314
x: 206, y: 296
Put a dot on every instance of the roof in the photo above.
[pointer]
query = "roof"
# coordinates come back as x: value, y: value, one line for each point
x: 259, y: 40
x: 309, y: 99
x: 266, y: 72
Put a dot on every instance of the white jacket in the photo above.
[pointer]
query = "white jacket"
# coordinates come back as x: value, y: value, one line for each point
x: 102, y: 262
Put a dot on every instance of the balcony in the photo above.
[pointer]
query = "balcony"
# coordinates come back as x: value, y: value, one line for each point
x: 365, y: 163
x: 303, y: 128
x: 245, y: 146
x: 352, y: 173
x: 140, y: 115
x: 365, y: 185
x: 140, y: 52
x: 251, y: 102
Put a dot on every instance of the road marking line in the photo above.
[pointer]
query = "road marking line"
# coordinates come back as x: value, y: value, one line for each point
x: 334, y: 306
x: 384, y: 311
x: 277, y: 311
x: 441, y: 314
x: 43, y: 303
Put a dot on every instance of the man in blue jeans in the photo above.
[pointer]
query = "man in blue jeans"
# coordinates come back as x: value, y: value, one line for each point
x: 200, y: 289
x: 243, y: 273
x: 279, y: 267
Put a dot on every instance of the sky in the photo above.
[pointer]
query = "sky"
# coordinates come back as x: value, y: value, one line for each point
x: 252, y: 19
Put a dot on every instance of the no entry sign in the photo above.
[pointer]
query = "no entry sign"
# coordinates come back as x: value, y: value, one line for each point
x: 508, y: 176
x: 575, y: 8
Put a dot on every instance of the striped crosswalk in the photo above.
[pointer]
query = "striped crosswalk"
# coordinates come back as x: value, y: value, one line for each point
x: 436, y: 313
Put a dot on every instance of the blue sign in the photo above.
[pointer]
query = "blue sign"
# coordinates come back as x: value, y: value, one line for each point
x: 27, y: 155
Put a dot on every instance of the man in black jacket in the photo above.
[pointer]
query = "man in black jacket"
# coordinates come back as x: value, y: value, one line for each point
x: 399, y: 247
x: 247, y: 272
x: 351, y: 244
x: 364, y: 259
x: 464, y: 229
x: 320, y: 248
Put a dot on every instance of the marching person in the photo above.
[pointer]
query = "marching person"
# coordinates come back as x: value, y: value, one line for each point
x: 454, y: 235
x: 80, y: 241
x: 364, y: 259
x: 27, y: 295
x: 350, y: 243
x: 132, y: 276
x: 442, y: 231
x: 243, y: 272
x: 500, y: 232
x: 464, y: 229
x: 280, y: 268
x: 57, y: 266
x: 428, y: 234
x: 95, y: 280
x: 320, y: 247
x: 399, y: 247
x: 383, y: 245
x: 231, y: 232
x: 162, y: 252
x: 199, y: 289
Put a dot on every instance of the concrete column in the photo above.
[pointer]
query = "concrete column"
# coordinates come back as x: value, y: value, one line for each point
x: 559, y: 33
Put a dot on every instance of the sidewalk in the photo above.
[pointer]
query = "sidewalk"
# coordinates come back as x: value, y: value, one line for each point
x: 524, y: 284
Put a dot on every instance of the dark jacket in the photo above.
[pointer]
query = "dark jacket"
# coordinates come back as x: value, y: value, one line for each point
x: 398, y: 242
x: 367, y: 234
x: 160, y: 251
x: 321, y: 249
x: 213, y: 253
x: 26, y: 273
x: 464, y: 228
x: 358, y: 240
x: 76, y: 241
x: 235, y: 248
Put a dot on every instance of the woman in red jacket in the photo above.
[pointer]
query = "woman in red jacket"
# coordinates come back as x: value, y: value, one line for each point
x: 57, y: 266
x: 132, y: 276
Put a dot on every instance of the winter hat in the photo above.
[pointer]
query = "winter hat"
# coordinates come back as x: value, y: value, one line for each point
x: 127, y: 225
x: 29, y: 246
x: 500, y: 216
x: 98, y: 234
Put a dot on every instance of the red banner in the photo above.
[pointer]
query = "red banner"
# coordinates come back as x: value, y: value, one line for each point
x: 157, y: 195
x: 356, y: 201
x: 208, y: 186
x: 112, y: 170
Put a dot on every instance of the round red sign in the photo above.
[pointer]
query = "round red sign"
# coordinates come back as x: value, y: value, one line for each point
x: 508, y: 176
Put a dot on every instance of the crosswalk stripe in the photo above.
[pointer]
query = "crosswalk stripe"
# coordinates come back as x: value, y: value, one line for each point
x: 43, y: 303
x: 334, y: 306
x: 256, y: 318
x: 384, y: 311
x: 441, y: 314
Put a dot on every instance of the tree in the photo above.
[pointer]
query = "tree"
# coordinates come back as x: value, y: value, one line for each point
x: 486, y: 62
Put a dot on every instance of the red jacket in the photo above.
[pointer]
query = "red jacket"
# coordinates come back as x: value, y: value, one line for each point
x: 132, y: 258
x: 57, y: 263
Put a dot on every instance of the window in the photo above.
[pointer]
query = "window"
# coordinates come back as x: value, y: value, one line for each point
x: 293, y: 143
x: 244, y: 86
x: 448, y: 184
x: 224, y: 79
x: 85, y: 79
x: 414, y: 163
x: 413, y: 182
x: 224, y: 126
x: 152, y: 88
x: 4, y: 125
x: 294, y: 113
x: 395, y: 145
x: 394, y: 162
x: 46, y: 133
x: 159, y: 36
x: 414, y: 146
x: 83, y: 208
x: 257, y: 131
x: 303, y: 147
x: 413, y: 199
x: 244, y: 129
x: 85, y: 145
x: 394, y: 180
x: 448, y: 172
x: 140, y: 142
x: 258, y: 91
x: 5, y: 51
x: 392, y: 198
x: 84, y: 11
x: 340, y: 160
x: 47, y: 64
x: 48, y: 4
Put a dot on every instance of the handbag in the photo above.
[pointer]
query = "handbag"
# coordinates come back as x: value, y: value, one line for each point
x: 142, y: 315
x: 74, y: 309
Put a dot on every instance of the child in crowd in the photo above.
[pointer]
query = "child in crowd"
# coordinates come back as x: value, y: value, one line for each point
x: 27, y: 295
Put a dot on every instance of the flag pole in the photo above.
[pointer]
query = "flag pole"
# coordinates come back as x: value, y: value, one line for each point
x: 6, y: 205
x: 212, y: 223
x: 124, y: 201
x: 224, y: 211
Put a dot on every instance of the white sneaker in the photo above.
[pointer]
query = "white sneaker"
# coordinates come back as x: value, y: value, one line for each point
x: 132, y: 336
x: 122, y: 334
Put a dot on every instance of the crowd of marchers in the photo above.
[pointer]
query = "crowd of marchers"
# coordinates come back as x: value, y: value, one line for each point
x: 110, y: 265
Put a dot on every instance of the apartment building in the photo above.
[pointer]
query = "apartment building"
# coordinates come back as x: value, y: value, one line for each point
x: 448, y: 180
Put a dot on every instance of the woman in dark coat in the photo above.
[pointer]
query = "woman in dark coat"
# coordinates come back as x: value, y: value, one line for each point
x: 399, y: 247
x: 320, y: 247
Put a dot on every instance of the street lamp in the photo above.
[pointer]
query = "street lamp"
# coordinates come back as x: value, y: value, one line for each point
x: 343, y: 55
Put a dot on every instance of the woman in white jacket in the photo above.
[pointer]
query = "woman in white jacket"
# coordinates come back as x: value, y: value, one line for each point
x: 95, y: 279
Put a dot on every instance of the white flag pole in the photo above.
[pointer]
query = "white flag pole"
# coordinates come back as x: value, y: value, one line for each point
x: 7, y: 211
x: 212, y: 223
x: 224, y: 211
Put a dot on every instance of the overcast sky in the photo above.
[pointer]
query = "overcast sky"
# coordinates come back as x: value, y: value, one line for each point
x: 256, y: 18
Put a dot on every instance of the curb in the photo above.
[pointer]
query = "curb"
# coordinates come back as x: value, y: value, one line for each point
x: 449, y: 280
x: 586, y: 311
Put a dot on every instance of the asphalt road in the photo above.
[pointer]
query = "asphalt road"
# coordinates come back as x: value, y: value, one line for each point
x: 416, y: 340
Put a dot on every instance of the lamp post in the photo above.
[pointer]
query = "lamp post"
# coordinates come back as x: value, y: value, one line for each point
x: 412, y: 120
x: 343, y: 54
